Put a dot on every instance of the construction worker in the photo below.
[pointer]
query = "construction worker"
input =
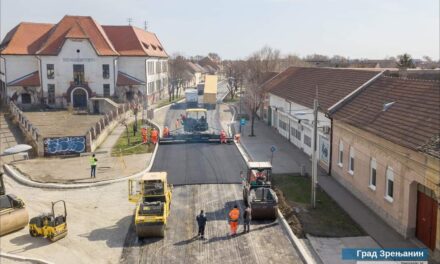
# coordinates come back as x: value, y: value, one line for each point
x: 247, y: 217
x: 223, y: 137
x: 144, y: 135
x: 154, y: 136
x: 201, y: 222
x: 93, y: 163
x: 177, y: 124
x: 234, y: 215
x: 166, y: 132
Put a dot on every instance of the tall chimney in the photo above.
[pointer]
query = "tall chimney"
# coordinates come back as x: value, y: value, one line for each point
x: 403, y: 72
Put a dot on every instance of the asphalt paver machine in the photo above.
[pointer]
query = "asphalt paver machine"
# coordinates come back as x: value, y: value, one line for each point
x: 195, y: 129
x: 152, y: 196
x: 257, y: 190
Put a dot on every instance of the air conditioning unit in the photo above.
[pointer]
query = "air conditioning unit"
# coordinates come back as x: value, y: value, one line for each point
x: 326, y: 129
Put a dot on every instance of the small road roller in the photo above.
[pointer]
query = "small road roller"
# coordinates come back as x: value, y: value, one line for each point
x: 13, y: 213
x: 152, y: 196
x: 50, y: 226
x: 257, y: 191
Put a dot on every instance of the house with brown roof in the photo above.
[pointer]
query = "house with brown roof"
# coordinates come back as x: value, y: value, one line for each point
x: 67, y: 63
x: 386, y: 151
x: 291, y: 96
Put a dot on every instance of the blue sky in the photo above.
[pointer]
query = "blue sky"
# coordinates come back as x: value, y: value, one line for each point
x: 235, y: 28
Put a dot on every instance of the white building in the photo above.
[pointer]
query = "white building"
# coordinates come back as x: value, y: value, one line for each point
x: 69, y: 62
x: 291, y: 96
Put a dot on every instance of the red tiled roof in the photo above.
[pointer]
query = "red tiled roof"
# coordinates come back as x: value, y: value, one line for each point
x: 77, y: 27
x: 32, y: 79
x: 299, y: 84
x: 132, y: 41
x: 125, y: 80
x: 48, y: 39
x: 25, y: 38
x: 412, y: 121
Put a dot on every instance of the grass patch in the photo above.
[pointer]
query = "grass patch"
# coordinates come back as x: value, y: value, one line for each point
x: 167, y: 101
x: 122, y: 148
x: 326, y: 220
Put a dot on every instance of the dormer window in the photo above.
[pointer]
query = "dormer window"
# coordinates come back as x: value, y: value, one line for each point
x: 154, y: 47
x: 145, y: 45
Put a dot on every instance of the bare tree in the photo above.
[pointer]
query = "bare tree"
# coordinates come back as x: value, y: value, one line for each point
x: 177, y: 75
x: 124, y: 122
x: 234, y: 72
x: 258, y: 65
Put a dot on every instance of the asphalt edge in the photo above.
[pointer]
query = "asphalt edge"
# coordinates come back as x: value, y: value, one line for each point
x: 21, y: 258
x: 302, y: 250
x: 17, y: 176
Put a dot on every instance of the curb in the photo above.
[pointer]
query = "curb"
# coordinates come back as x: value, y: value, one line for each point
x: 25, y: 181
x: 303, y: 252
x: 20, y: 258
x: 168, y: 105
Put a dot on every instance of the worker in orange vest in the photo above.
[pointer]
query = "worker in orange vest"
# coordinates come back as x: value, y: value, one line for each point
x: 154, y: 135
x: 234, y: 215
x: 144, y: 135
x: 223, y: 137
x: 166, y: 132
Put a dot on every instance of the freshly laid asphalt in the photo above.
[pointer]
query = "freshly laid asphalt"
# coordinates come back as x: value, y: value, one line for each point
x: 200, y: 163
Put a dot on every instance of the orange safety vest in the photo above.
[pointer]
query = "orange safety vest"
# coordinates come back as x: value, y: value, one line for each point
x: 165, y: 132
x: 234, y: 214
x: 154, y: 134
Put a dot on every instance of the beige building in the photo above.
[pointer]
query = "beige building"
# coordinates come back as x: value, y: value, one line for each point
x: 386, y: 150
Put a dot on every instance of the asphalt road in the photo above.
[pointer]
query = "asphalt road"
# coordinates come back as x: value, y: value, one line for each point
x: 200, y: 163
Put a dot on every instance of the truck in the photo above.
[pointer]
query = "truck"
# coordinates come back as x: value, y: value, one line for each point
x: 210, y: 91
x: 152, y: 195
x: 191, y: 98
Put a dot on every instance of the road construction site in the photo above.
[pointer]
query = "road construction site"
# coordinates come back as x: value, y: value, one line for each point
x: 100, y: 219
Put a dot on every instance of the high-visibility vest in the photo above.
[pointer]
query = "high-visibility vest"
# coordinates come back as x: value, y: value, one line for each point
x: 234, y: 214
x: 93, y: 161
x: 154, y: 133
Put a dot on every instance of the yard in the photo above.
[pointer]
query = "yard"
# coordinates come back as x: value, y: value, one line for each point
x: 123, y: 148
x: 326, y: 220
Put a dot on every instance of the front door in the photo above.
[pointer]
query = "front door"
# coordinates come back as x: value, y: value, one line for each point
x: 79, y: 98
x: 426, y: 225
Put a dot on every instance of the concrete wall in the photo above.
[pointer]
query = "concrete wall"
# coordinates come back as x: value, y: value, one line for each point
x: 410, y: 169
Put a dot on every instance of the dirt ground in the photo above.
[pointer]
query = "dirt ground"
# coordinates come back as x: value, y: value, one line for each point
x: 62, y: 123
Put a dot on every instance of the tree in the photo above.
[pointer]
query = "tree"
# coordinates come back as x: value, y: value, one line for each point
x: 124, y: 122
x: 258, y: 65
x: 214, y: 56
x: 404, y: 61
x: 176, y: 75
x: 234, y: 72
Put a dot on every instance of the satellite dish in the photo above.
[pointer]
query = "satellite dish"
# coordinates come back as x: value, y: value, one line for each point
x: 17, y: 149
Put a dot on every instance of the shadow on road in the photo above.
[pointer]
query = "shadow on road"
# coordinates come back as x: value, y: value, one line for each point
x: 186, y: 242
x: 29, y: 243
x: 111, y: 233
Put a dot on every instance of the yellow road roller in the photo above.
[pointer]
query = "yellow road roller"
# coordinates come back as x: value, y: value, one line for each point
x: 13, y: 213
x: 50, y: 226
x: 152, y: 196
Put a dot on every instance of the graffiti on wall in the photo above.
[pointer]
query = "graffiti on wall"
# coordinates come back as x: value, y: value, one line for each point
x: 64, y: 145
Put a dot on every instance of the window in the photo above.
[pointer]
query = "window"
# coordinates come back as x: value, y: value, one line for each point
x: 26, y: 98
x: 158, y: 85
x: 373, y: 174
x: 158, y: 67
x: 105, y: 71
x: 150, y: 67
x: 150, y: 88
x: 307, y: 141
x: 295, y: 133
x: 50, y: 71
x: 282, y: 124
x: 341, y: 154
x: 164, y: 67
x: 351, y: 161
x: 106, y: 90
x: 389, y: 185
x: 78, y: 73
x: 51, y: 93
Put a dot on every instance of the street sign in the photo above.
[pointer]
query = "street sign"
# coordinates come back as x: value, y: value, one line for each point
x: 273, y: 149
x: 242, y: 122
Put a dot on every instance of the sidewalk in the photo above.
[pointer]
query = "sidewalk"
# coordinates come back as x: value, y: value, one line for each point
x: 288, y: 159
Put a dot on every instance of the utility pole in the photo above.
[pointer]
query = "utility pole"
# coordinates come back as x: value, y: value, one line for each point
x: 314, y: 158
x: 130, y: 20
x: 241, y: 95
x: 145, y: 25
